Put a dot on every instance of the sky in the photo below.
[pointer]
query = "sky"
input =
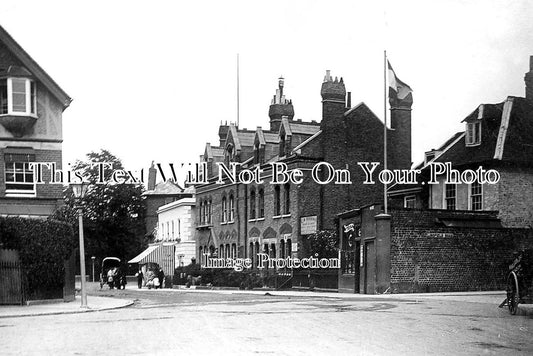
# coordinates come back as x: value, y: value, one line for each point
x: 151, y: 81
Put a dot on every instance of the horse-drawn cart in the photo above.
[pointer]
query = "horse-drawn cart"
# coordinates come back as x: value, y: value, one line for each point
x: 519, y: 281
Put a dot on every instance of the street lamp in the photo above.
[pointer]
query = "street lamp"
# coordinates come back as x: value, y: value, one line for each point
x: 93, y: 258
x: 79, y: 190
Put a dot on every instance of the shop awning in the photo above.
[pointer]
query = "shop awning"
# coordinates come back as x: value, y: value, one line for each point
x: 144, y: 256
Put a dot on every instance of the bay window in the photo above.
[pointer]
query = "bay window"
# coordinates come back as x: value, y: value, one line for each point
x: 18, y: 97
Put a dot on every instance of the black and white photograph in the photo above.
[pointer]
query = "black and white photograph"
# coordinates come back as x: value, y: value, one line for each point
x: 236, y: 177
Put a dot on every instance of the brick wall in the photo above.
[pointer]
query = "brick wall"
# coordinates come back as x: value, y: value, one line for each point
x: 428, y: 257
x: 516, y: 197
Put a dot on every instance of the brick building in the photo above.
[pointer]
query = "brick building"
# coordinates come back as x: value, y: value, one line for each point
x: 497, y: 136
x: 240, y: 219
x: 447, y: 236
x: 31, y: 107
x: 427, y: 250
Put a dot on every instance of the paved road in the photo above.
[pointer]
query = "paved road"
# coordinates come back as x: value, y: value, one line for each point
x: 195, y: 323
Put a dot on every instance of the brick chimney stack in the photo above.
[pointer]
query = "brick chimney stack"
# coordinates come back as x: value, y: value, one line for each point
x: 151, y: 177
x: 529, y: 80
x: 400, y: 138
x: 280, y: 107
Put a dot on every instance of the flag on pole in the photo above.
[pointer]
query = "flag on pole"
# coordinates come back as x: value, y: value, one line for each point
x: 400, y: 88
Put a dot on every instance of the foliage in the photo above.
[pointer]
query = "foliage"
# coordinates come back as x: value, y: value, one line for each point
x: 43, y: 245
x: 113, y: 213
x: 323, y: 244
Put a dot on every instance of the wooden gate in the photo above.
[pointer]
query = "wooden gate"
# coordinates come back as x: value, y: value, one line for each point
x: 11, y: 288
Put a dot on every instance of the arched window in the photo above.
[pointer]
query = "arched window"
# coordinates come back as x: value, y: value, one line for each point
x: 287, y: 195
x: 227, y: 253
x: 252, y: 204
x: 277, y: 201
x: 201, y: 255
x: 231, y: 208
x: 282, y: 146
x: 233, y: 251
x: 221, y: 252
x: 224, y: 210
x: 251, y: 253
x: 289, y: 247
x: 261, y: 203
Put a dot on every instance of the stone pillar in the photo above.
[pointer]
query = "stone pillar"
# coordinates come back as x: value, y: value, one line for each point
x: 383, y: 246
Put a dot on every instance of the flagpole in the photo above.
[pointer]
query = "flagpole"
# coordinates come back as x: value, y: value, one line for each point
x: 385, y: 127
x: 238, y: 95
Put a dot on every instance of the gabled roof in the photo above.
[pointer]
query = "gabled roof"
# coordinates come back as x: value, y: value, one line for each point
x: 34, y: 68
x: 507, y: 135
x: 259, y: 136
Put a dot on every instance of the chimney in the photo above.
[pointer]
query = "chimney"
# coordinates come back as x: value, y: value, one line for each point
x: 280, y: 107
x: 333, y: 97
x: 529, y: 80
x: 400, y: 138
x: 152, y: 173
x: 223, y: 133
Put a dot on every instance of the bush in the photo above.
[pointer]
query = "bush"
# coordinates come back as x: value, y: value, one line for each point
x: 43, y: 245
x: 220, y: 277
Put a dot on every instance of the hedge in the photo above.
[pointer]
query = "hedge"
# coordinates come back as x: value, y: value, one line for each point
x: 43, y: 246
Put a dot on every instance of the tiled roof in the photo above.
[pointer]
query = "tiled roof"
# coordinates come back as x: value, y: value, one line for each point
x: 304, y: 128
x: 246, y: 138
x: 507, y: 135
x: 271, y: 137
x: 165, y: 188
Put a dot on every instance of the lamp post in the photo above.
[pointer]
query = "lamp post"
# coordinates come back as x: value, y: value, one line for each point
x: 93, y: 258
x: 79, y: 190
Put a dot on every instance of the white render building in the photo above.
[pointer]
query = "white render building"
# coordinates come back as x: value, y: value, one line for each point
x: 175, y: 226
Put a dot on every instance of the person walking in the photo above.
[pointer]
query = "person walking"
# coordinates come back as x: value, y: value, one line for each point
x: 139, y: 276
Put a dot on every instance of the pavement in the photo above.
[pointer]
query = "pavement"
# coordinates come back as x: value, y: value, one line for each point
x: 97, y: 303
x: 94, y: 304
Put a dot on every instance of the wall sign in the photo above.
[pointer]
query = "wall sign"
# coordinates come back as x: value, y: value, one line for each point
x: 308, y: 225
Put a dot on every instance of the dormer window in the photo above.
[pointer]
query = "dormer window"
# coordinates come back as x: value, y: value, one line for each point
x: 473, y: 133
x: 18, y: 97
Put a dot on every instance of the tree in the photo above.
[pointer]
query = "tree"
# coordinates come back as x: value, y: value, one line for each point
x: 113, y: 212
x: 323, y: 243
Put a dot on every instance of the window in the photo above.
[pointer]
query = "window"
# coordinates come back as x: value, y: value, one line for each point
x: 179, y: 228
x: 261, y: 203
x: 168, y: 230
x: 277, y: 201
x: 173, y: 229
x: 162, y: 231
x: 17, y: 97
x: 252, y: 204
x: 287, y: 194
x: 231, y: 208
x: 476, y: 196
x: 201, y: 212
x: 450, y: 191
x: 409, y: 202
x: 224, y: 210
x: 282, y: 146
x: 473, y: 133
x: 208, y: 219
x: 19, y: 175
